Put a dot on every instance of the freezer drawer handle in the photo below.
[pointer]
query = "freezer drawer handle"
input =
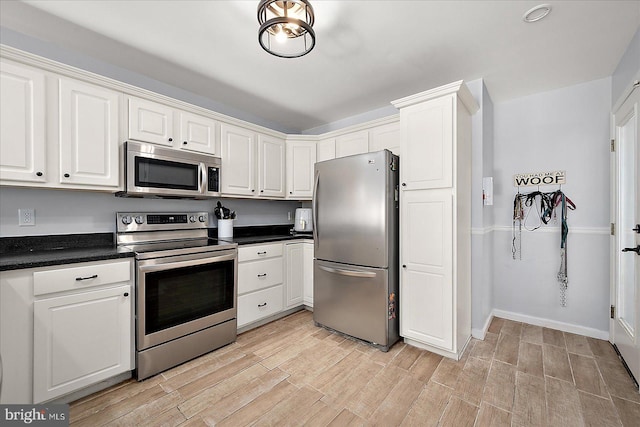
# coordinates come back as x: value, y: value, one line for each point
x: 351, y: 273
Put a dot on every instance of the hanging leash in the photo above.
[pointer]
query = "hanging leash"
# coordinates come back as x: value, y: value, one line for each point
x: 545, y: 205
x: 563, y: 278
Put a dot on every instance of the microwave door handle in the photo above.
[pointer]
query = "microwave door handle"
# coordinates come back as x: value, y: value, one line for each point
x: 203, y: 179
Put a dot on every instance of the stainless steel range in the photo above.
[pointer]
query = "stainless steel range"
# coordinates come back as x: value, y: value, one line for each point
x: 186, y: 287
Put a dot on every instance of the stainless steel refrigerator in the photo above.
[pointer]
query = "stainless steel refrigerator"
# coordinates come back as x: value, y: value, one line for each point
x: 355, y: 214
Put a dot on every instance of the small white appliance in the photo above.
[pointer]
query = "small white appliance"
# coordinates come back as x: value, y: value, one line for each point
x: 303, y: 220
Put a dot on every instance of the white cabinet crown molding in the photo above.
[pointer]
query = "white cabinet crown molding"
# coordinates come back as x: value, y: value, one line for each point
x: 459, y: 88
x: 49, y: 65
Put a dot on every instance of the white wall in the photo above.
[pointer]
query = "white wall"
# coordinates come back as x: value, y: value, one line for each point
x: 481, y: 216
x: 565, y: 129
x: 627, y: 70
x: 69, y: 212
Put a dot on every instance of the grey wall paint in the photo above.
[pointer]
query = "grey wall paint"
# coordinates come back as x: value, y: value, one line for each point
x: 68, y: 212
x: 565, y: 129
x: 627, y: 70
x: 76, y: 59
x: 481, y: 216
x: 353, y: 120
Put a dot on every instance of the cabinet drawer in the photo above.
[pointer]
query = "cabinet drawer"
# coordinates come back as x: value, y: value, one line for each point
x: 260, y: 304
x: 259, y: 274
x: 250, y: 253
x: 80, y: 277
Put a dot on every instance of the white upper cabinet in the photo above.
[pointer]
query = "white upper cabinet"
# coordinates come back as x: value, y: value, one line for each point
x: 326, y: 149
x: 150, y: 122
x: 198, y: 133
x: 238, y: 160
x: 427, y: 132
x: 352, y: 143
x: 301, y: 156
x: 23, y: 129
x: 271, y: 166
x: 160, y: 124
x: 385, y: 137
x: 57, y: 132
x: 252, y: 164
x: 88, y: 125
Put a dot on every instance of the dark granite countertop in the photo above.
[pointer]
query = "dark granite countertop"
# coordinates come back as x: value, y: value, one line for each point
x: 41, y: 251
x: 261, y: 234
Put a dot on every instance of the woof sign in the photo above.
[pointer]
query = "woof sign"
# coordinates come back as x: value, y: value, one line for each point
x: 541, y: 178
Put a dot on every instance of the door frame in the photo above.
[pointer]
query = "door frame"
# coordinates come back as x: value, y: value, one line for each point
x: 613, y: 252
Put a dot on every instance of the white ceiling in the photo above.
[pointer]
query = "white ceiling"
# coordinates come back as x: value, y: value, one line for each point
x: 367, y: 54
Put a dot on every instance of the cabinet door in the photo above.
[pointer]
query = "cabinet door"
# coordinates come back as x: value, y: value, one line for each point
x: 198, y: 133
x: 238, y: 160
x: 301, y: 156
x: 80, y: 339
x: 426, y: 278
x: 88, y: 121
x: 352, y: 143
x: 308, y: 273
x: 326, y: 150
x: 271, y: 168
x: 150, y: 122
x: 22, y: 114
x: 385, y: 137
x: 427, y: 144
x: 295, y: 274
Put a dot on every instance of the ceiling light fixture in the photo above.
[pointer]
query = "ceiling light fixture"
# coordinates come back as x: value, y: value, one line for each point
x: 286, y: 27
x: 536, y: 13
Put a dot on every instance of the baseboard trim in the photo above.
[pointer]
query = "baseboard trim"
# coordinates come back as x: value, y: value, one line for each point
x: 553, y: 324
x: 479, y: 334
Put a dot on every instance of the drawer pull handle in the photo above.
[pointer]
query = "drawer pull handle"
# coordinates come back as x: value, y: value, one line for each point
x: 126, y: 294
x: 264, y: 304
x: 79, y: 279
x: 262, y: 275
x: 262, y: 253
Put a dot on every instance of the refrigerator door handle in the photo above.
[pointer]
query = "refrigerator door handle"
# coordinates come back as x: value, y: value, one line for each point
x: 314, y: 208
x: 350, y: 273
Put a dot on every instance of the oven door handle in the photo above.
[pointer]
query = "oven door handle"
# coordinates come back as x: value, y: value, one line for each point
x: 188, y: 263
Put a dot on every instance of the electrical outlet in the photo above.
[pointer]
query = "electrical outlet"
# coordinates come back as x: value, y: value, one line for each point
x: 26, y: 217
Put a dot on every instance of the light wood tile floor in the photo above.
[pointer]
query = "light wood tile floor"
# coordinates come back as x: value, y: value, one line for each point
x: 290, y: 372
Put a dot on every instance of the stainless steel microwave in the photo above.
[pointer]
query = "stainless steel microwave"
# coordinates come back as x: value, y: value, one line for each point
x: 154, y: 171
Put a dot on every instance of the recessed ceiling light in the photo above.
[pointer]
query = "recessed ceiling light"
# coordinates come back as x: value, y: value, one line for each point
x: 536, y: 13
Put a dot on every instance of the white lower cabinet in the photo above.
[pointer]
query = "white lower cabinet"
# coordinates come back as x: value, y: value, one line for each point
x: 299, y: 267
x: 80, y: 339
x: 64, y: 328
x: 260, y: 282
x: 295, y: 274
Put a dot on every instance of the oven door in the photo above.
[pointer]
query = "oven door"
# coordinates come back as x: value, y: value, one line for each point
x: 179, y: 295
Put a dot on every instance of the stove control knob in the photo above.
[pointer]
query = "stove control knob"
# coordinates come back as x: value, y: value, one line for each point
x: 139, y: 219
x: 192, y: 218
x: 126, y: 220
x: 202, y: 218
